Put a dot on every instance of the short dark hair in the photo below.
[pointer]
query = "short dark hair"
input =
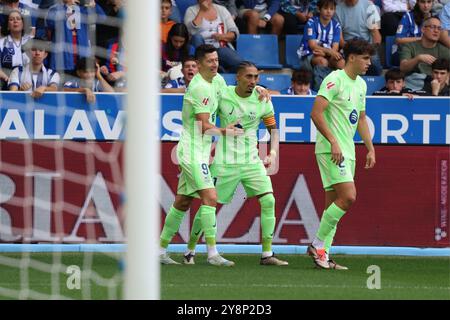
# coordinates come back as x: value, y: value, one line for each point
x: 302, y: 76
x: 203, y: 49
x: 394, y: 74
x: 84, y: 64
x: 440, y: 64
x: 245, y: 64
x: 325, y: 3
x: 188, y: 58
x: 166, y: 1
x: 358, y: 46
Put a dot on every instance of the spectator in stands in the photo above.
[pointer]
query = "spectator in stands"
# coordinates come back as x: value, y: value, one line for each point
x: 11, y: 54
x: 179, y: 85
x: 296, y: 12
x: 409, y: 28
x: 29, y: 15
x: 212, y: 24
x: 395, y: 84
x: 114, y: 68
x: 89, y: 80
x: 68, y: 25
x: 174, y: 51
x: 320, y: 43
x: 416, y: 57
x: 439, y: 85
x: 262, y: 14
x: 34, y: 76
x: 361, y: 19
x: 112, y: 28
x: 300, y: 84
x: 166, y: 23
x: 393, y: 11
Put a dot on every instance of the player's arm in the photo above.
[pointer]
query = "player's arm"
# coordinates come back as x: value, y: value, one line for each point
x: 207, y: 128
x: 271, y: 126
x: 320, y: 104
x: 363, y: 130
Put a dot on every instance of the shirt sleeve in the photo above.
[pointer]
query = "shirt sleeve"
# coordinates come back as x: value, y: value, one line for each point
x: 373, y: 17
x: 337, y: 32
x: 200, y: 99
x: 403, y: 27
x: 310, y: 32
x: 329, y: 88
x: 268, y: 109
x: 362, y: 98
x: 54, y: 79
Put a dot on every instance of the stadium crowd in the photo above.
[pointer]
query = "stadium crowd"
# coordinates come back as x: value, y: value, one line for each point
x: 76, y: 45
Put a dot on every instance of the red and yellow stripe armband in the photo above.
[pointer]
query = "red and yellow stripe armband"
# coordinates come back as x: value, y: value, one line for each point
x: 270, y: 121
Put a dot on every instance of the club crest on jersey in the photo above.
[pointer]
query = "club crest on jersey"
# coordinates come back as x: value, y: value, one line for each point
x: 353, y: 117
x: 330, y: 85
x: 205, y: 101
x: 252, y: 115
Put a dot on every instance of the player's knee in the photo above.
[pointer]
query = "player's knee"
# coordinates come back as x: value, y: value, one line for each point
x: 350, y: 199
x: 182, y: 204
x: 267, y: 201
x: 210, y: 200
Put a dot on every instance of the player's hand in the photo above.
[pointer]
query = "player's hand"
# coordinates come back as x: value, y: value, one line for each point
x: 370, y: 160
x: 39, y: 92
x: 270, y: 163
x: 336, y: 154
x: 234, y: 129
x: 264, y: 94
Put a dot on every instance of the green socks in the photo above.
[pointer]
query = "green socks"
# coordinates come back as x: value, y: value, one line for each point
x: 267, y: 221
x: 208, y: 222
x: 196, y: 231
x: 171, y: 226
x: 329, y: 221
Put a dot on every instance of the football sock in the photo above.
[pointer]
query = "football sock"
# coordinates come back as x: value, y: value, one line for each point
x: 329, y: 221
x: 267, y: 203
x: 171, y: 226
x: 209, y: 225
x: 196, y: 231
x: 329, y: 240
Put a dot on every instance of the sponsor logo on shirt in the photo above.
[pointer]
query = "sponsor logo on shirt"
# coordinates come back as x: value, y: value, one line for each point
x: 353, y: 117
x: 330, y: 85
x: 205, y: 101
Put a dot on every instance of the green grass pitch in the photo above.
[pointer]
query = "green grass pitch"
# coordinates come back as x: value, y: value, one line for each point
x: 400, y: 278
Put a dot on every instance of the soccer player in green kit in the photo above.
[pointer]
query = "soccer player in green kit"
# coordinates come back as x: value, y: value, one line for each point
x: 237, y: 158
x: 338, y: 111
x: 194, y: 148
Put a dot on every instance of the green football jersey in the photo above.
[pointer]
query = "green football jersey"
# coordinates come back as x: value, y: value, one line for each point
x: 201, y: 97
x: 248, y: 112
x: 347, y: 98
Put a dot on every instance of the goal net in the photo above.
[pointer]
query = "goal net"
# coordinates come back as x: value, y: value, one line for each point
x: 79, y: 213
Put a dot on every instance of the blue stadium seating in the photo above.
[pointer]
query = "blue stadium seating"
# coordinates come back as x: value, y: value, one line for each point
x: 292, y: 44
x: 183, y: 5
x: 275, y: 81
x: 391, y: 60
x: 374, y: 83
x: 261, y: 49
x: 230, y: 78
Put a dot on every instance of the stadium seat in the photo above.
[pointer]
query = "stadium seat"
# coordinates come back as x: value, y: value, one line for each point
x: 261, y: 49
x: 374, y: 83
x: 230, y: 78
x: 275, y: 81
x: 292, y: 44
x: 391, y: 60
x: 183, y: 5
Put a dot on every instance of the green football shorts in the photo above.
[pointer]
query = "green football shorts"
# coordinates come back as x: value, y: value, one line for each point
x: 252, y: 176
x: 333, y: 174
x: 194, y: 177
